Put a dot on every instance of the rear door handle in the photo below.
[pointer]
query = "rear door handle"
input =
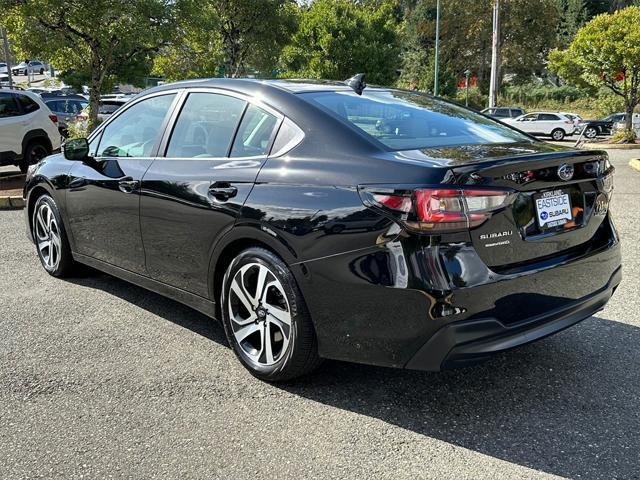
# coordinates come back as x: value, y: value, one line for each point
x: 128, y: 185
x: 222, y: 191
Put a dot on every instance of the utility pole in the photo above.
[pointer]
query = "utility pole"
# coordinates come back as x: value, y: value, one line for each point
x: 467, y: 74
x: 6, y: 55
x: 495, y: 56
x: 437, y: 60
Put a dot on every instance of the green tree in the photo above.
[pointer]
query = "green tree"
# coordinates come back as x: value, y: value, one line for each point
x: 237, y: 35
x: 339, y: 38
x: 573, y: 15
x: 528, y: 33
x: 605, y: 52
x: 102, y: 40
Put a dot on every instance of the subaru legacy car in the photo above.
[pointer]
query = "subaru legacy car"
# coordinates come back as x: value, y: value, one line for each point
x: 329, y: 220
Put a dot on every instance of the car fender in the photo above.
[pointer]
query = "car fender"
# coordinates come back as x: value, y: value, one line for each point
x: 258, y: 233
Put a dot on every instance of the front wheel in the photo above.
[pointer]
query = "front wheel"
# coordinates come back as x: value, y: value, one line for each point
x: 265, y: 317
x: 50, y: 238
x: 558, y: 134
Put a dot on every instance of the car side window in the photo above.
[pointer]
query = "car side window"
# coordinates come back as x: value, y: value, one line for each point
x: 205, y: 126
x: 548, y: 117
x: 502, y: 112
x: 8, y: 105
x: 135, y: 131
x: 255, y: 133
x: 54, y: 106
x: 530, y: 118
x: 28, y: 105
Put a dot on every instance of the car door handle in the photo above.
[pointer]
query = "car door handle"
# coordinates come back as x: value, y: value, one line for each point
x: 222, y: 191
x: 128, y: 185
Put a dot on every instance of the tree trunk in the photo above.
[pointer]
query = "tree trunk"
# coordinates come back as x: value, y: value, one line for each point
x: 94, y: 94
x: 628, y: 120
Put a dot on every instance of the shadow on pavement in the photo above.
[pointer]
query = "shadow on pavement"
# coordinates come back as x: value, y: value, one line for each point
x: 568, y: 405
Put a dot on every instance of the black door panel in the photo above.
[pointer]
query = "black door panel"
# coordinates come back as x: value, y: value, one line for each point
x: 104, y: 219
x: 182, y: 216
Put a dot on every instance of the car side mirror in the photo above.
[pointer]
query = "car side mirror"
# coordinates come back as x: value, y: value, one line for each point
x: 76, y: 149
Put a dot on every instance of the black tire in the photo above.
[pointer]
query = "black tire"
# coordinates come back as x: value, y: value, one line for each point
x: 35, y: 151
x: 63, y: 264
x: 558, y: 134
x: 300, y: 356
x: 591, y: 132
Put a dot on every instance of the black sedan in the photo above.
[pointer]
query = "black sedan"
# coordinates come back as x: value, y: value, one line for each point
x: 329, y: 220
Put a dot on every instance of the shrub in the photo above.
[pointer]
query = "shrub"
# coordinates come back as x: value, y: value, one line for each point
x: 477, y: 99
x: 623, y: 136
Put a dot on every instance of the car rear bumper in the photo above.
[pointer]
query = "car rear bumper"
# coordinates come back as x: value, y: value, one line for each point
x: 432, y: 307
x: 467, y: 342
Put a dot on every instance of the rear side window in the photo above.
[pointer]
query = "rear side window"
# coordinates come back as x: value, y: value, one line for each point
x: 502, y: 112
x: 547, y: 117
x: 28, y: 105
x: 255, y: 133
x: 8, y: 105
x: 55, y: 106
x: 408, y: 121
x: 205, y: 126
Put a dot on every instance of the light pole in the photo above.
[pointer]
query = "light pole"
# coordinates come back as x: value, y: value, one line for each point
x: 6, y: 55
x: 436, y: 73
x: 495, y: 56
x: 467, y: 74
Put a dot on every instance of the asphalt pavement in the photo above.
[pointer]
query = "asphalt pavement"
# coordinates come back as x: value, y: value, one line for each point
x: 102, y: 379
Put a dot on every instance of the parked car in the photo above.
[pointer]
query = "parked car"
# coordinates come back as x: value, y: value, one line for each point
x: 3, y: 68
x: 31, y: 66
x: 324, y: 220
x: 109, y: 106
x: 503, y: 112
x: 67, y: 108
x: 595, y: 128
x: 28, y: 129
x: 554, y: 125
x: 574, y: 117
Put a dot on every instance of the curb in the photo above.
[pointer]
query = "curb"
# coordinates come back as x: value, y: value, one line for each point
x: 635, y: 163
x: 611, y: 146
x: 11, y: 203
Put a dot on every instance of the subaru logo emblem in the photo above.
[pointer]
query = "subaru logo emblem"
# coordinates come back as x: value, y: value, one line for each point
x: 565, y: 172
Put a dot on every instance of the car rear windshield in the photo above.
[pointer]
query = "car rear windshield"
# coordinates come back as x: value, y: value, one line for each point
x: 408, y: 121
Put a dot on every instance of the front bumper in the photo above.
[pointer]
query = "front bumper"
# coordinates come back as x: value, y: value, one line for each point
x: 467, y: 342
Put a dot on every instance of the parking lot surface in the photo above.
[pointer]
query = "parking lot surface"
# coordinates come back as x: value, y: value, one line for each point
x: 100, y: 379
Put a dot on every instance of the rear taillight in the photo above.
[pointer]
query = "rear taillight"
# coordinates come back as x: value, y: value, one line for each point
x: 54, y: 118
x: 438, y: 210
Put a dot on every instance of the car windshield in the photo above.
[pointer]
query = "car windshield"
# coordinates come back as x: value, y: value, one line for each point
x: 408, y: 121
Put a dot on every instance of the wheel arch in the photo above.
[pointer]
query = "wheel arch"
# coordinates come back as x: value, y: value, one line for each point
x: 238, y: 239
x: 36, y: 135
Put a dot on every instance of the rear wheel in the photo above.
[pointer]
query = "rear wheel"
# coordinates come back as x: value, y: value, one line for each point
x: 50, y: 238
x: 591, y: 132
x: 558, y: 134
x: 265, y: 317
x: 34, y: 152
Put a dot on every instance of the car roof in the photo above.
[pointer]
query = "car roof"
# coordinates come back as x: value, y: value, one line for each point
x: 289, y: 85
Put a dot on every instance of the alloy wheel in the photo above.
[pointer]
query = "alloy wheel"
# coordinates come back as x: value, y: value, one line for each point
x: 260, y: 314
x: 591, y: 133
x: 558, y: 135
x: 48, y: 236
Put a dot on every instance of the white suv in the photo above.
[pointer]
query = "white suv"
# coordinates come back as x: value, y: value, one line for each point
x: 554, y: 125
x: 28, y: 129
